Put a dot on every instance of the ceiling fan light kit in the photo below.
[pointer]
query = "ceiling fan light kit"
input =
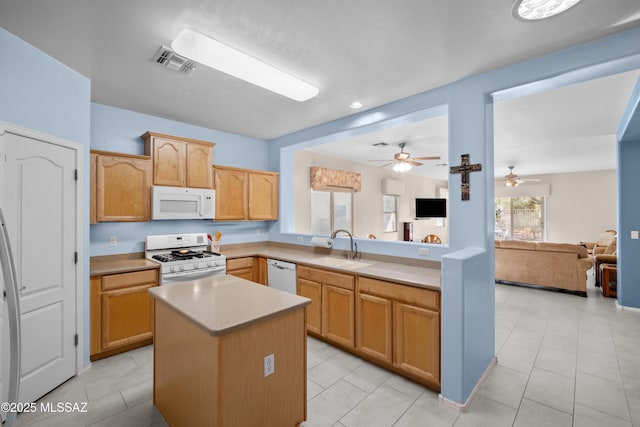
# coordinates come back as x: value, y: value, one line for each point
x: 535, y: 10
x: 402, y: 161
x: 210, y: 52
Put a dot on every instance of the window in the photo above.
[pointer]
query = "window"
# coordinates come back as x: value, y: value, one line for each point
x: 520, y: 218
x: 390, y: 213
x: 331, y: 211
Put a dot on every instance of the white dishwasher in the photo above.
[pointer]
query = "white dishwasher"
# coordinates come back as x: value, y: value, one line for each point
x: 281, y: 275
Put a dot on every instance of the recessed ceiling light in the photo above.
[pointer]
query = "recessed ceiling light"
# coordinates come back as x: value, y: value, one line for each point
x: 212, y: 53
x: 356, y: 104
x: 534, y: 10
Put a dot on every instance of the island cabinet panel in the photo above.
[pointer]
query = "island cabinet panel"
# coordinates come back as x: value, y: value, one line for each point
x: 399, y: 326
x: 374, y: 323
x: 332, y: 310
x: 121, y: 312
x: 178, y: 161
x: 231, y: 194
x: 218, y: 380
x: 121, y: 187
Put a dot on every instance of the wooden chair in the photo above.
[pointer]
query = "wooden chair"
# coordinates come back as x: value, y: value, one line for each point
x: 431, y: 238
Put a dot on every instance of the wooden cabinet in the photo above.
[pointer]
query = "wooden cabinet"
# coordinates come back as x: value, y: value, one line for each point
x: 261, y: 270
x: 231, y: 194
x: 120, y: 187
x: 374, y: 325
x: 262, y: 197
x: 121, y: 312
x: 241, y: 267
x: 178, y: 161
x: 400, y: 326
x: 332, y: 310
x: 245, y: 194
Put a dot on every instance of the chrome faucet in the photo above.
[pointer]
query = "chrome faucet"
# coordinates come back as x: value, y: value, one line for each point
x: 352, y: 252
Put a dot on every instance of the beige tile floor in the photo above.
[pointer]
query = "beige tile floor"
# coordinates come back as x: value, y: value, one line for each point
x: 563, y: 360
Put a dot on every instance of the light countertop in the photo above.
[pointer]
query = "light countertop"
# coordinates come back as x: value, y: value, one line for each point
x: 221, y: 304
x: 121, y: 265
x: 412, y: 275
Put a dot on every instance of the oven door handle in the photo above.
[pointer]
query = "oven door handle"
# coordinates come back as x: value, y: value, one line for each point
x: 196, y: 274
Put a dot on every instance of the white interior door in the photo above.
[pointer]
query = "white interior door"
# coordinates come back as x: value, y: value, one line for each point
x: 40, y: 210
x: 4, y: 331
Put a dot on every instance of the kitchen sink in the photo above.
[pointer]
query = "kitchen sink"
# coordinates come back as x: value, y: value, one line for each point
x: 339, y: 262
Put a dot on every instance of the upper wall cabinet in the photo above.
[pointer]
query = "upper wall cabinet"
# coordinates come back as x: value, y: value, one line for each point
x: 245, y: 194
x: 119, y: 187
x: 179, y: 162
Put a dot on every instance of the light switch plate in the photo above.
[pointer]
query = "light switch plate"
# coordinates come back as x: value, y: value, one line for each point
x: 423, y: 251
x: 634, y: 234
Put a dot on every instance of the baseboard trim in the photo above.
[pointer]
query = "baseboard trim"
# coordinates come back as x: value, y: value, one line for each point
x: 626, y: 307
x: 463, y: 407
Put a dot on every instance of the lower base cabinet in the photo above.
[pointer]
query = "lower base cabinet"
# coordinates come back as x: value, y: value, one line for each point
x: 331, y: 314
x: 241, y: 267
x: 398, y: 327
x: 121, y: 312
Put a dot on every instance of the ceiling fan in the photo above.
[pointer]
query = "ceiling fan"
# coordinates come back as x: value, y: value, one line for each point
x: 512, y: 180
x: 403, y: 161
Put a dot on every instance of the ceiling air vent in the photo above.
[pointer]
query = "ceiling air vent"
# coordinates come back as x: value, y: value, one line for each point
x: 167, y: 57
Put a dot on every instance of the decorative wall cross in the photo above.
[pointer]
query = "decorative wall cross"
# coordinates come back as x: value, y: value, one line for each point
x: 464, y: 169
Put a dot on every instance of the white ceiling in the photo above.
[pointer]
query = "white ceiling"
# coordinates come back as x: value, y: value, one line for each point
x: 570, y: 129
x: 376, y: 51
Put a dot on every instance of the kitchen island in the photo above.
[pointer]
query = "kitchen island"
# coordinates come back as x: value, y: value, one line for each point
x: 228, y: 351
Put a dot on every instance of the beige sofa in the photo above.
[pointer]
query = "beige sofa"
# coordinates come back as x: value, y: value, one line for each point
x: 554, y: 265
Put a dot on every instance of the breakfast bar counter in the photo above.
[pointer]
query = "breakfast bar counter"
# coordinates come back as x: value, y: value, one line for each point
x: 228, y: 351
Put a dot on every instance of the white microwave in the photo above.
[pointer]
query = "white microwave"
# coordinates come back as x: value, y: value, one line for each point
x: 182, y: 203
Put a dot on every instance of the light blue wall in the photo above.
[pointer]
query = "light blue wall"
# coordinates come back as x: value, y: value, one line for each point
x: 629, y: 203
x: 40, y: 93
x: 115, y: 129
x: 468, y: 282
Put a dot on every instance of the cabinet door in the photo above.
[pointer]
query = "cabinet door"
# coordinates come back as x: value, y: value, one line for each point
x: 338, y: 316
x: 373, y: 323
x: 313, y: 291
x: 122, y: 188
x: 416, y: 334
x: 262, y: 276
x: 263, y: 196
x: 169, y: 162
x: 243, y: 273
x: 127, y: 316
x: 231, y: 190
x: 198, y: 167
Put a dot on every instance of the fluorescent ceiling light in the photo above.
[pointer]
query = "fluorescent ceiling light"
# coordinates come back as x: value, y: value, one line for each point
x: 533, y: 10
x: 402, y: 167
x: 212, y: 53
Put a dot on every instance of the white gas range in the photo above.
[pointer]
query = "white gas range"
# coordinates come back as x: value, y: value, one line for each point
x: 184, y: 257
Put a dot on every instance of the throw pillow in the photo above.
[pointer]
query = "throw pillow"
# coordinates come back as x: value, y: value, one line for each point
x: 611, y: 247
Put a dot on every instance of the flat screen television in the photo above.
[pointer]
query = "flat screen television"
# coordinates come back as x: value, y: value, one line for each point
x: 431, y: 208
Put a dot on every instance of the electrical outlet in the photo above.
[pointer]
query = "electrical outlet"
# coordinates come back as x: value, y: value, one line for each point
x: 269, y: 365
x: 423, y: 251
x: 300, y: 239
x: 258, y: 231
x: 113, y: 241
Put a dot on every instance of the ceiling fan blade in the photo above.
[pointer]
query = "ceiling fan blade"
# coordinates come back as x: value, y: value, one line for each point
x: 530, y: 179
x: 385, y: 160
x: 414, y: 163
x: 388, y: 164
x: 427, y: 158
